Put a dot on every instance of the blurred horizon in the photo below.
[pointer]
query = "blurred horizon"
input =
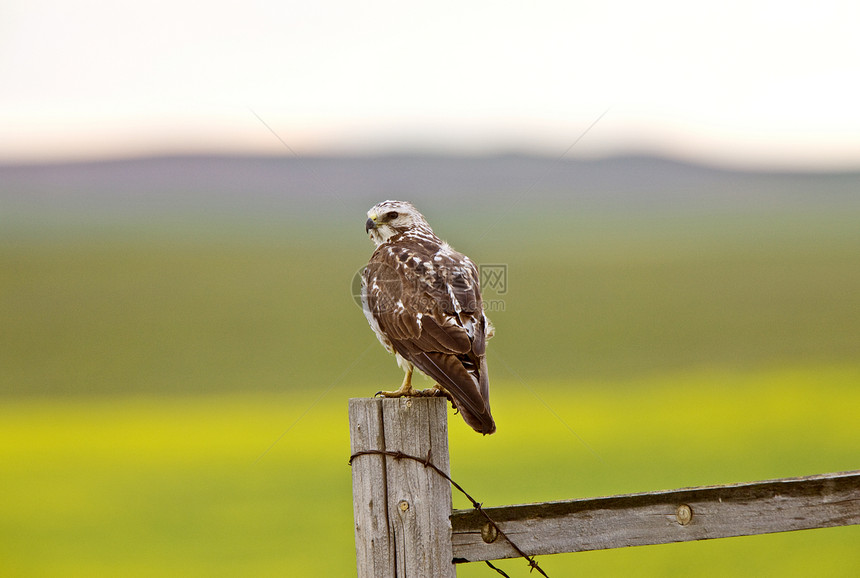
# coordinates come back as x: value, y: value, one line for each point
x: 287, y: 154
x: 588, y: 139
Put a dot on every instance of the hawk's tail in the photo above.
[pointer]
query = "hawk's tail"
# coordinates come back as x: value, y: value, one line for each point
x: 469, y: 388
x: 482, y: 423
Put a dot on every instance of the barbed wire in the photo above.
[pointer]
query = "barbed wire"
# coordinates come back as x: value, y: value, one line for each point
x: 533, y: 565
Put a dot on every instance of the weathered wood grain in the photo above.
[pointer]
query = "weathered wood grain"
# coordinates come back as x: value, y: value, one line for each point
x: 374, y: 549
x: 402, y: 509
x: 662, y: 517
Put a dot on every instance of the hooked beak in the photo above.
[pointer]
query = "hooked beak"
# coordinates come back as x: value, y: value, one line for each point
x: 370, y: 224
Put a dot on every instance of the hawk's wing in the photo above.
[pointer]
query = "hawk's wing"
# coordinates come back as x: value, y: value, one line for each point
x: 426, y: 300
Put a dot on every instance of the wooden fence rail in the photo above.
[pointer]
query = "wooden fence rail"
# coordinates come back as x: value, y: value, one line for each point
x: 662, y: 517
x: 404, y: 524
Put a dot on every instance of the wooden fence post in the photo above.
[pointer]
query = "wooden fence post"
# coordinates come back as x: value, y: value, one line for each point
x: 402, y: 509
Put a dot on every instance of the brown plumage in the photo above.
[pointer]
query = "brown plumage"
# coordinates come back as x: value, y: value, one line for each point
x: 423, y: 300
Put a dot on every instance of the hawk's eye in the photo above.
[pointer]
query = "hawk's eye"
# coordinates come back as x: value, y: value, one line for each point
x: 391, y: 216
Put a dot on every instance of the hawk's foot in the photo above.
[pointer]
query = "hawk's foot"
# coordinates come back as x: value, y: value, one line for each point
x: 404, y: 391
x: 436, y: 391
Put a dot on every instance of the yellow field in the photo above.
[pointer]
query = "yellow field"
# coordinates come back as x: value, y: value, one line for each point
x: 185, y: 486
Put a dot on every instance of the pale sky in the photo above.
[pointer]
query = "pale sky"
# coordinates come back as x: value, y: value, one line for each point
x: 750, y: 83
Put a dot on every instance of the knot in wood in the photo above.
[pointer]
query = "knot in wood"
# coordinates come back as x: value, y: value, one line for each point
x: 489, y: 533
x: 684, y: 514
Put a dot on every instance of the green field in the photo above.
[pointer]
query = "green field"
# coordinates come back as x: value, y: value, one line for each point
x: 173, y: 400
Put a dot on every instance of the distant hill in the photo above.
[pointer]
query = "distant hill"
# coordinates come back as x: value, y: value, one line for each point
x: 344, y: 185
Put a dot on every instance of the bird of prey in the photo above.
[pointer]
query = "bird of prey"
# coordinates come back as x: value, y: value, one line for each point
x: 423, y: 300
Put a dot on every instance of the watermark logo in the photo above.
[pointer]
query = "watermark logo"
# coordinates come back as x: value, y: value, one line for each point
x: 494, y: 276
x: 388, y: 284
x: 355, y: 286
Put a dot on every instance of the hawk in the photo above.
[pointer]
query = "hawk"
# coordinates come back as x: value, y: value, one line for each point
x: 423, y: 300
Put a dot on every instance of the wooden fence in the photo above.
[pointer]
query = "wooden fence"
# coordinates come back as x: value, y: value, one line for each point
x: 405, y: 525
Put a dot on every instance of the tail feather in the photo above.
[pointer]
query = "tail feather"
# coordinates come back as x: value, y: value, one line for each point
x: 470, y: 395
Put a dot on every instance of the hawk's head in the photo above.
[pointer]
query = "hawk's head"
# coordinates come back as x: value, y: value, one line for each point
x: 389, y: 218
